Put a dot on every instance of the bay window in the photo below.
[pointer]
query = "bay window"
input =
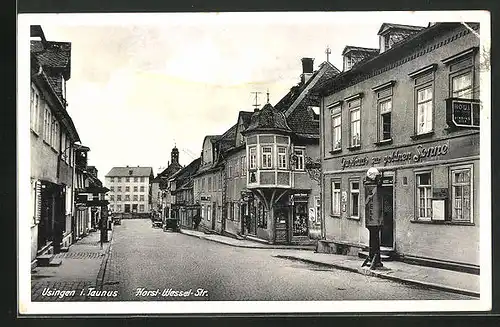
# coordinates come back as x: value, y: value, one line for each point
x: 282, y: 157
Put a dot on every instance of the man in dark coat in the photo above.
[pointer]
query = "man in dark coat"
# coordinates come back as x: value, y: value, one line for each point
x: 197, y: 220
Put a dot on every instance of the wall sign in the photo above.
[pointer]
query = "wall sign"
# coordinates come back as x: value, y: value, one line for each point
x: 463, y: 112
x: 417, y: 154
x: 344, y: 196
x: 312, y: 214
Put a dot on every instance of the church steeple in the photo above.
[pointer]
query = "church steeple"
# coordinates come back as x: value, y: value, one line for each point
x: 174, y: 155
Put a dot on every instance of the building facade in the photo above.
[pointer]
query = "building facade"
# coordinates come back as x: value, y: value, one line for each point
x: 412, y: 111
x: 52, y: 135
x: 160, y: 185
x: 129, y: 190
x: 181, y: 193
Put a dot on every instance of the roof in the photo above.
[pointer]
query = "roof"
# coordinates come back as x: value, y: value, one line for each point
x: 228, y: 139
x: 349, y: 48
x: 394, y: 54
x: 125, y: 171
x: 268, y: 119
x: 289, y: 98
x: 56, y: 55
x: 246, y: 117
x: 387, y: 26
x: 167, y: 172
x: 187, y: 171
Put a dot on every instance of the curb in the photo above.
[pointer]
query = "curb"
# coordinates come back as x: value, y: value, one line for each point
x: 102, y: 270
x: 270, y: 247
x: 368, y: 272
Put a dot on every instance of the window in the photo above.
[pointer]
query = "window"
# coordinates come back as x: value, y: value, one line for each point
x: 252, y: 155
x: 354, y: 203
x: 236, y: 167
x: 230, y: 169
x: 209, y: 184
x: 127, y: 179
x: 282, y: 157
x: 236, y: 211
x: 142, y: 188
x: 142, y: 179
x: 461, y: 194
x: 112, y: 197
x: 118, y: 207
x: 424, y: 209
x: 243, y: 166
x: 127, y: 188
x: 203, y: 184
x: 424, y: 110
x: 35, y: 109
x: 141, y: 207
x: 462, y: 86
x: 136, y: 179
x: 209, y: 212
x: 299, y: 159
x: 47, y: 122
x: 112, y: 179
x: 118, y: 197
x: 141, y: 197
x: 135, y: 188
x: 127, y: 197
x: 214, y: 184
x: 119, y: 179
x: 336, y: 198
x: 267, y: 157
x: 119, y: 188
x: 355, y: 131
x: 336, y: 132
x: 136, y: 198
x: 261, y: 215
x: 112, y: 188
x: 385, y: 108
x: 231, y: 210
x: 55, y: 135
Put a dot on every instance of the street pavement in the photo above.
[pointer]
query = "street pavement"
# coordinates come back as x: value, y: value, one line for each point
x: 148, y: 264
x: 76, y: 279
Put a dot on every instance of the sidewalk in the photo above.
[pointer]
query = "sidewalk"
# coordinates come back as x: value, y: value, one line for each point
x: 244, y: 243
x: 81, y: 270
x: 435, y: 278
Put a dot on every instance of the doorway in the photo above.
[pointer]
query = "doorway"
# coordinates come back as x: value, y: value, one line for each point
x: 127, y: 208
x: 387, y: 233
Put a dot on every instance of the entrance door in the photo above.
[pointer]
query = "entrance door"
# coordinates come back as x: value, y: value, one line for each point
x: 253, y: 218
x: 127, y: 208
x: 387, y: 233
x: 281, y: 218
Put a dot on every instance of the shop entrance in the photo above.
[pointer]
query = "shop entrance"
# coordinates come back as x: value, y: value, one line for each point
x: 387, y: 233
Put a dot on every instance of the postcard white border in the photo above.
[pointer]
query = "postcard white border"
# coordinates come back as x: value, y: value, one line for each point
x: 25, y: 306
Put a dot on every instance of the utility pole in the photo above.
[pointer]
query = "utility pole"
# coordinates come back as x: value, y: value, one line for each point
x: 256, y: 105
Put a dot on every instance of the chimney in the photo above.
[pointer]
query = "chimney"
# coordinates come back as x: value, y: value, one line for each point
x: 307, y: 69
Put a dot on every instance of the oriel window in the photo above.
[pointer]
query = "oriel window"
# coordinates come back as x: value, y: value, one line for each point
x: 252, y: 155
x: 267, y: 157
x: 282, y: 157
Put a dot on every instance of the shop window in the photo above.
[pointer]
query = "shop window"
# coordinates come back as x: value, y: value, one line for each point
x: 461, y: 194
x: 355, y: 120
x: 261, y: 216
x: 267, y: 157
x: 424, y: 195
x: 336, y: 198
x: 299, y: 158
x: 300, y: 219
x: 354, y: 199
x: 282, y: 157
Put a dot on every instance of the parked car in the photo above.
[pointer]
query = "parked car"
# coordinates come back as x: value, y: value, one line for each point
x: 117, y: 219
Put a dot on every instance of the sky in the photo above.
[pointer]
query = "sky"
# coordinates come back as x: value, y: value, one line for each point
x: 140, y: 84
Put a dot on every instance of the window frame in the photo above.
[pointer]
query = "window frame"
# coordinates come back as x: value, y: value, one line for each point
x: 384, y: 94
x: 419, y: 88
x: 336, y: 141
x: 423, y: 78
x: 266, y: 157
x: 351, y: 192
x: 354, y: 105
x: 35, y: 110
x: 252, y: 157
x: 282, y: 157
x: 429, y: 186
x: 301, y: 161
x: 334, y: 191
x: 462, y: 72
x: 452, y: 170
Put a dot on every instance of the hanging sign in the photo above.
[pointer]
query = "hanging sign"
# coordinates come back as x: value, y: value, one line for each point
x: 463, y: 112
